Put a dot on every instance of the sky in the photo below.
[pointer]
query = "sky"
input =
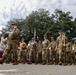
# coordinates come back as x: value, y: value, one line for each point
x: 10, y: 9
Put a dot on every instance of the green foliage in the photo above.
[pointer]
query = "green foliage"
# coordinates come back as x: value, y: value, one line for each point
x: 44, y: 23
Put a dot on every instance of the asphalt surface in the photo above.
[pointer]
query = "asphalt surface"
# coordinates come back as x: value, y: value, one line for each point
x: 20, y: 69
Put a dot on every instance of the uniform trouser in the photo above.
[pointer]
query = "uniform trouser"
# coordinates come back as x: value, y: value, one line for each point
x: 45, y: 55
x: 39, y: 57
x: 60, y: 55
x: 33, y: 55
x: 9, y: 58
x: 75, y: 57
x: 11, y: 46
x: 72, y: 57
x: 22, y: 56
x: 27, y: 56
x: 59, y: 51
x: 68, y: 57
x: 56, y: 57
x: 63, y: 56
x: 30, y: 55
x: 53, y: 56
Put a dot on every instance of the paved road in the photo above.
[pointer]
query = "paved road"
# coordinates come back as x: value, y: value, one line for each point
x: 9, y: 69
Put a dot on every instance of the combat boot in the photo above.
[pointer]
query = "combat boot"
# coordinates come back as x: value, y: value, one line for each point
x: 69, y: 63
x: 23, y: 62
x: 18, y: 61
x: 2, y: 60
x: 35, y: 63
x: 29, y: 62
x: 15, y: 63
x: 74, y: 63
x: 65, y: 64
x: 51, y: 62
x: 60, y: 63
x: 55, y: 63
x: 43, y: 63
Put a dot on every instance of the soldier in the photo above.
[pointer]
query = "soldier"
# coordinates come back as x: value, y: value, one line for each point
x: 52, y: 47
x: 68, y: 52
x: 60, y: 45
x: 33, y: 51
x: 27, y: 51
x: 45, y: 51
x: 12, y: 44
x: 39, y: 52
x: 22, y: 55
x: 74, y: 53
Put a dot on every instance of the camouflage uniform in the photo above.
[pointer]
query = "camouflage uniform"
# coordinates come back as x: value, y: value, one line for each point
x: 45, y: 51
x: 61, y: 47
x: 33, y: 51
x: 68, y: 52
x: 39, y: 52
x: 22, y: 55
x: 52, y: 47
x: 73, y: 53
x: 27, y: 52
x: 12, y: 44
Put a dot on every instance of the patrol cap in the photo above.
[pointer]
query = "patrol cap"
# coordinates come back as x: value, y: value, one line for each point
x: 60, y: 31
x: 22, y: 39
x: 32, y: 38
x: 45, y: 35
x: 13, y: 24
x: 52, y: 37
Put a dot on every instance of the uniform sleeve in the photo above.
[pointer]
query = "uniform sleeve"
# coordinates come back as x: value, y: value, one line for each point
x: 57, y: 42
x: 48, y: 42
x: 49, y: 45
x: 20, y: 46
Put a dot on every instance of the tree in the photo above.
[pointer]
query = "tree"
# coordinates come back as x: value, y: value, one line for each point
x: 43, y: 23
x: 63, y: 21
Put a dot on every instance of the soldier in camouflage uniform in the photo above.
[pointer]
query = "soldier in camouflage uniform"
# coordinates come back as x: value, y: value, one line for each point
x: 74, y: 53
x: 68, y: 52
x: 52, y: 47
x: 39, y: 51
x: 33, y: 48
x: 12, y: 44
x: 60, y: 45
x: 27, y: 52
x: 22, y: 55
x: 45, y: 51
